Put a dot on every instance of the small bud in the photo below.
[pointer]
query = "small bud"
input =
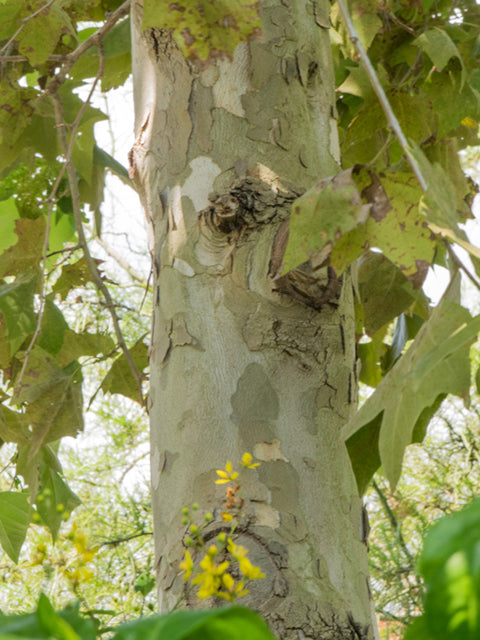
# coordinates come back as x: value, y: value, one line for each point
x: 208, y: 517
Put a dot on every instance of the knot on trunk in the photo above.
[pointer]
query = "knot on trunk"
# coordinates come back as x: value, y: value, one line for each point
x: 247, y: 206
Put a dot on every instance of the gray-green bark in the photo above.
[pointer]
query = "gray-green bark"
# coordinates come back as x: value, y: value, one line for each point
x: 241, y: 360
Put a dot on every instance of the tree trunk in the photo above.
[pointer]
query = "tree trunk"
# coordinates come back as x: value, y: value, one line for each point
x: 242, y: 359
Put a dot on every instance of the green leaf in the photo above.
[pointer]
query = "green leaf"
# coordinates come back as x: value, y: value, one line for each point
x: 16, y: 110
x: 53, y: 397
x: 13, y: 427
x: 366, y: 21
x: 40, y: 35
x: 439, y: 204
x: 52, y: 623
x: 27, y: 252
x: 8, y: 215
x: 321, y: 216
x: 418, y: 379
x: 104, y: 159
x: 54, y: 499
x: 117, y: 57
x: 229, y: 623
x: 9, y: 13
x: 44, y: 624
x: 449, y: 564
x: 395, y: 226
x: 362, y: 448
x: 119, y: 379
x: 440, y: 48
x: 72, y: 276
x: 14, y: 521
x: 54, y: 326
x: 205, y: 29
x: 384, y: 291
x: 76, y: 345
x: 16, y: 309
x: 145, y: 584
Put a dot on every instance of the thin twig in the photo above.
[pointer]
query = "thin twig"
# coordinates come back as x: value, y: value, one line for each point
x: 72, y: 179
x: 132, y: 466
x: 133, y: 273
x: 54, y: 57
x: 460, y: 265
x: 381, y: 95
x: 94, y: 40
x: 118, y: 541
x: 66, y: 250
x: 393, y: 521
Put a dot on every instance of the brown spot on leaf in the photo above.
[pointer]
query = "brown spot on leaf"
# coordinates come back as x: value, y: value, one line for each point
x: 376, y: 196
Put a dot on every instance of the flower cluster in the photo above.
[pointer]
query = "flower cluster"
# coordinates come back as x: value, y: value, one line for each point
x: 224, y: 568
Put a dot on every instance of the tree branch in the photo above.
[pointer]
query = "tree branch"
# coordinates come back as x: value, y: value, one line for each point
x: 456, y: 260
x: 118, y: 541
x: 381, y: 95
x: 94, y: 40
x: 133, y: 273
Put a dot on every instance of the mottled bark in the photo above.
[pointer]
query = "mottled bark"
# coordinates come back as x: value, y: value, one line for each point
x: 242, y: 360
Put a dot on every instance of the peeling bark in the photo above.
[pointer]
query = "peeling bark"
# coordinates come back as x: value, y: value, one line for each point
x: 243, y: 359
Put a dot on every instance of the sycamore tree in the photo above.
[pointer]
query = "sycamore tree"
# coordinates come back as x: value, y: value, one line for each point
x: 298, y: 166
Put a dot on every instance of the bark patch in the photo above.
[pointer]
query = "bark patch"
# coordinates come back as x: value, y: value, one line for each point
x: 254, y: 398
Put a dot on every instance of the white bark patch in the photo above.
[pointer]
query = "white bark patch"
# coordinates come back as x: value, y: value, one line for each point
x: 177, y: 236
x: 269, y: 451
x: 265, y: 174
x: 200, y: 182
x: 183, y: 267
x: 267, y: 516
x: 232, y: 82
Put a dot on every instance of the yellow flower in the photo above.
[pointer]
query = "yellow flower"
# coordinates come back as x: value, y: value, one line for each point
x: 226, y: 517
x: 236, y: 550
x: 249, y: 571
x: 239, y: 553
x: 209, y: 586
x: 247, y: 461
x: 232, y: 590
x: 187, y: 565
x: 226, y: 475
x: 209, y: 566
x: 210, y: 579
